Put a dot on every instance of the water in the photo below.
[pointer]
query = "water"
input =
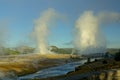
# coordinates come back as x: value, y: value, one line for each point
x: 54, y: 71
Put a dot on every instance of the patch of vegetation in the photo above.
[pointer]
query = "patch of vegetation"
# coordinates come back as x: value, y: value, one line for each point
x: 104, y: 62
x: 60, y: 50
x: 16, y: 51
x: 8, y: 51
x: 117, y: 56
x: 24, y: 49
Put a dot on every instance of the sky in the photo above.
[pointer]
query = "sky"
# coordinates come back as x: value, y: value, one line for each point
x: 19, y: 16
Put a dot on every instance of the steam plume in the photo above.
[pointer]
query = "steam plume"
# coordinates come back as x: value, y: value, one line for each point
x: 41, y: 30
x: 88, y: 35
x: 89, y: 38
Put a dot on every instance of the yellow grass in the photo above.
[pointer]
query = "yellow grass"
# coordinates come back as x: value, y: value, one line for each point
x: 25, y: 64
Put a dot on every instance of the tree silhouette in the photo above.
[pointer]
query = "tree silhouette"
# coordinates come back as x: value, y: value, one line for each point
x: 117, y: 56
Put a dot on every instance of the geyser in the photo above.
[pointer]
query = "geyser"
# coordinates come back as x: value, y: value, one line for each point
x: 41, y: 30
x: 88, y: 36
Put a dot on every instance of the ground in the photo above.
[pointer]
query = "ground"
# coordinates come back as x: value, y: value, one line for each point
x: 27, y: 64
x: 104, y: 69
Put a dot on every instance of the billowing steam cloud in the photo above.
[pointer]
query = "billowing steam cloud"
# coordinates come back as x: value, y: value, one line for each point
x: 88, y: 35
x: 89, y: 38
x: 41, y: 30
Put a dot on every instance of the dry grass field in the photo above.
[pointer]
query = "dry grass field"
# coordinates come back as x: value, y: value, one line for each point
x: 26, y: 64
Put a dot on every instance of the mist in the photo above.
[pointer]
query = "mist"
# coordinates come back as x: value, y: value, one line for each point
x: 89, y: 38
x: 108, y: 17
x: 3, y: 35
x: 41, y: 30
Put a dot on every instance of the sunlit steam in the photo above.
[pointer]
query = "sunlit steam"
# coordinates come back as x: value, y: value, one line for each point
x: 88, y: 37
x: 41, y: 30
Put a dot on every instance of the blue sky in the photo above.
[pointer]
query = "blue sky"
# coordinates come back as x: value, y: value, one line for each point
x: 20, y: 15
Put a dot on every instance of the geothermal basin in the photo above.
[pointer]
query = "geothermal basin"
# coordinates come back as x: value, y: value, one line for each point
x: 14, y: 66
x: 53, y: 71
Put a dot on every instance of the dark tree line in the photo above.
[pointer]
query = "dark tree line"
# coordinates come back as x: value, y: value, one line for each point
x: 117, y: 56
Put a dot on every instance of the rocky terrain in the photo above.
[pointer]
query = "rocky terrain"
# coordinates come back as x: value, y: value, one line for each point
x: 104, y: 69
